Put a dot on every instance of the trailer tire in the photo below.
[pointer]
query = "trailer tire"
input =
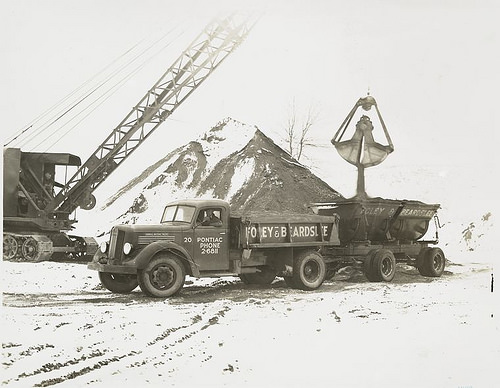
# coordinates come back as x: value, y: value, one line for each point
x: 382, y: 266
x: 368, y: 266
x: 162, y: 277
x: 119, y: 283
x: 266, y: 275
x: 422, y: 269
x: 309, y: 270
x: 431, y: 262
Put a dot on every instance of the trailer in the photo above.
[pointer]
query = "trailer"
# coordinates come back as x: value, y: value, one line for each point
x: 202, y: 238
x: 377, y: 233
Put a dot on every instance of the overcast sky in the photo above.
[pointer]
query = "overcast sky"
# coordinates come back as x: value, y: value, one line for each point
x: 431, y: 65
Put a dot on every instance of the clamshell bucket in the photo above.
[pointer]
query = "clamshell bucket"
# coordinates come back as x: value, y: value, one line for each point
x: 379, y: 220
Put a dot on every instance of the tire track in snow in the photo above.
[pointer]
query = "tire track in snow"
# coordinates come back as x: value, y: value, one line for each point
x: 170, y: 340
x: 180, y: 336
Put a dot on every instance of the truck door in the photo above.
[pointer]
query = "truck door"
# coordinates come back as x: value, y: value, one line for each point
x: 211, y: 239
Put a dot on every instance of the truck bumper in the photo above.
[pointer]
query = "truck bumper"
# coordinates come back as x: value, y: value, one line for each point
x: 122, y: 269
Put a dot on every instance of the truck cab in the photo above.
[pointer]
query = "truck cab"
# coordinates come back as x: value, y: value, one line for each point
x: 198, y: 229
x: 207, y: 237
x: 193, y: 236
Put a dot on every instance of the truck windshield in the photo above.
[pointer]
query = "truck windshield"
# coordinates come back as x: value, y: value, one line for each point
x: 178, y: 213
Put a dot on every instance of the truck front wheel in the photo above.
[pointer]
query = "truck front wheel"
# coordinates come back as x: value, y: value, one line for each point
x: 309, y: 270
x: 119, y: 283
x: 163, y: 276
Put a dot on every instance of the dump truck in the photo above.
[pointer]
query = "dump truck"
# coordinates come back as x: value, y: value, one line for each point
x: 203, y: 238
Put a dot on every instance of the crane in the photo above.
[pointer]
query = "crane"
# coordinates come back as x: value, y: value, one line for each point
x: 35, y: 219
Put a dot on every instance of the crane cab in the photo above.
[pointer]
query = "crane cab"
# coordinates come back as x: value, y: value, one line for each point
x: 29, y: 184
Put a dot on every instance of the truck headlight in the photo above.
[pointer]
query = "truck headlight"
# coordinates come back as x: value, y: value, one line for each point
x: 103, y: 246
x: 127, y: 248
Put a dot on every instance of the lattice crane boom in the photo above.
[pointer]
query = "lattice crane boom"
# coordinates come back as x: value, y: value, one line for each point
x: 193, y: 66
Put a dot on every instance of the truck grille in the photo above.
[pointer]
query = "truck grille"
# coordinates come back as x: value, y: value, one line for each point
x: 116, y: 244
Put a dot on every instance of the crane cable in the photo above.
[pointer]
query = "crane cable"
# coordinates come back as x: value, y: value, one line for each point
x: 60, y: 102
x: 60, y: 114
x: 114, y: 87
x: 106, y: 96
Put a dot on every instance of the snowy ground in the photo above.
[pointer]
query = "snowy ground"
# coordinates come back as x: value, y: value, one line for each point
x: 61, y: 328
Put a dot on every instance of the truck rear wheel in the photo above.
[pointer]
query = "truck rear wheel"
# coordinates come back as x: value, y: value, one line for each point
x: 431, y: 262
x: 380, y: 265
x: 119, y: 283
x: 309, y: 270
x: 265, y: 276
x: 163, y: 276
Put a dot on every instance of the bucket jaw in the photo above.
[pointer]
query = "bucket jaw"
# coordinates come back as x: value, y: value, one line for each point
x: 362, y: 150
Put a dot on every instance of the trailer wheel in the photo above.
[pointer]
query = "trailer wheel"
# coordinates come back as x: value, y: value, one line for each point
x: 422, y: 269
x: 119, y: 283
x: 382, y: 265
x: 368, y: 266
x: 431, y: 262
x: 10, y: 247
x: 266, y: 275
x: 309, y: 270
x: 163, y: 276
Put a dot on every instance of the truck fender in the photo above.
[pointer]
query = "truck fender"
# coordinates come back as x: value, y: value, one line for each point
x: 144, y: 256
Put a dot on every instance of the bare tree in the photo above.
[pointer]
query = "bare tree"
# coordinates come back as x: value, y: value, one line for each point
x: 290, y: 130
x: 297, y: 130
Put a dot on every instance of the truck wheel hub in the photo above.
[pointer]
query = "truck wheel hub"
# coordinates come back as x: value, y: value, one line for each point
x: 162, y: 276
x: 437, y: 262
x: 387, y: 266
x: 311, y: 271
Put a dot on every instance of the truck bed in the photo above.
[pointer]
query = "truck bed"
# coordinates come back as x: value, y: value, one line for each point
x: 380, y: 220
x: 262, y: 230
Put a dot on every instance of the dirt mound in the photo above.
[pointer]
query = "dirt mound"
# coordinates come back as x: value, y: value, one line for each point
x: 277, y: 183
x: 234, y: 162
